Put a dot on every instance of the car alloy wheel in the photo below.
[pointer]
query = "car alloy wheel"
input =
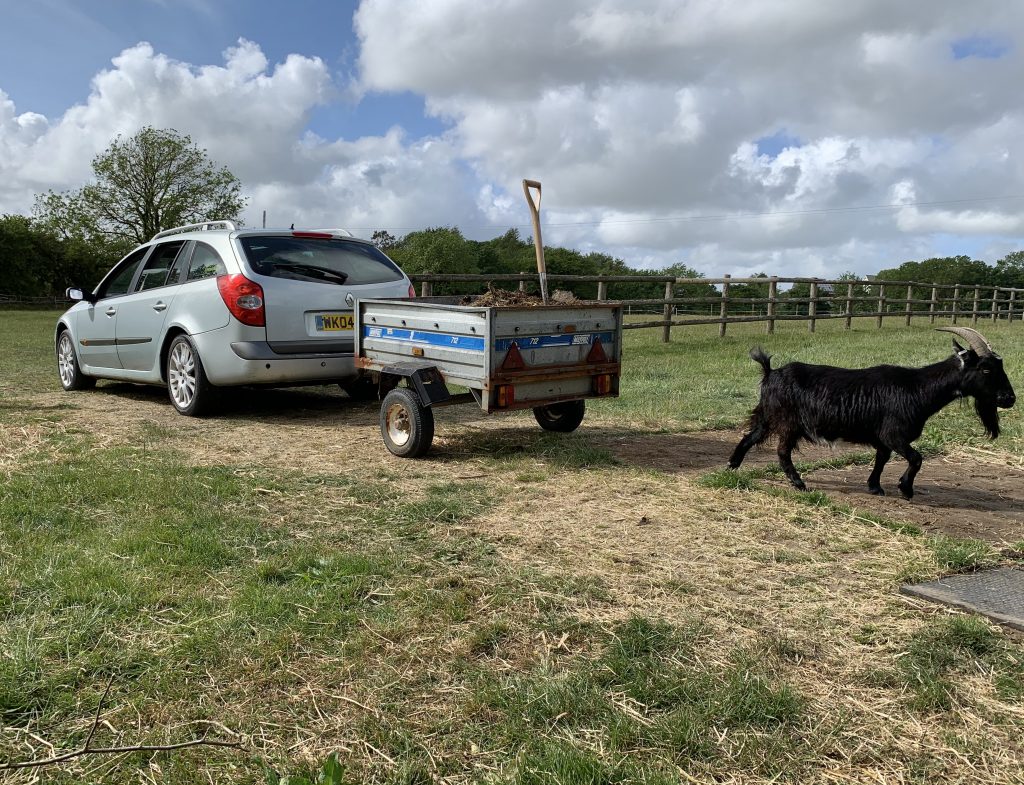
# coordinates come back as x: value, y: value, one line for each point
x: 66, y: 360
x: 181, y: 373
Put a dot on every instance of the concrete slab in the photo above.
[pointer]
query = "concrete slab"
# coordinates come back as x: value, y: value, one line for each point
x: 997, y: 594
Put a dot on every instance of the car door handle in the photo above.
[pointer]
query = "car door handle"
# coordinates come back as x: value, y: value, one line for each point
x: 160, y: 306
x: 111, y: 311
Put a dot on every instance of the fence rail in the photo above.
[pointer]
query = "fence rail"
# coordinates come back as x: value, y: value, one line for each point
x: 825, y: 299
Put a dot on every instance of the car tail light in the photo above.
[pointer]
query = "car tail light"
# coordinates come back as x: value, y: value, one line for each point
x: 603, y: 384
x: 412, y: 291
x: 314, y: 235
x: 244, y: 298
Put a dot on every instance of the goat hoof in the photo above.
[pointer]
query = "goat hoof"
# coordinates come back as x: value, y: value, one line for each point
x: 907, y: 493
x: 800, y: 485
x: 879, y: 491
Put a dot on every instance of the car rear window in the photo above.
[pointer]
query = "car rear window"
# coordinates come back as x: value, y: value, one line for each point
x: 326, y: 260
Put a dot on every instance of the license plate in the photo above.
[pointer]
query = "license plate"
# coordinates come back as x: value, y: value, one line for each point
x: 333, y: 322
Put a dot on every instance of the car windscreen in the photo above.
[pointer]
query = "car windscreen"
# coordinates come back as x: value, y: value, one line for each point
x: 325, y: 260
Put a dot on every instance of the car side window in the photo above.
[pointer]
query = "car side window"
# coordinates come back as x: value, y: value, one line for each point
x: 121, y: 279
x: 158, y: 267
x: 206, y: 263
x: 176, y: 274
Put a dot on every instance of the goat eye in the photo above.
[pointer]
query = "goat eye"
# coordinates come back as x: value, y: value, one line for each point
x: 986, y: 371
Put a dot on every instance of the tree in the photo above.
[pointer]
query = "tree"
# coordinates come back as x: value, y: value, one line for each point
x: 384, y: 240
x: 439, y: 250
x: 1010, y: 270
x: 154, y: 180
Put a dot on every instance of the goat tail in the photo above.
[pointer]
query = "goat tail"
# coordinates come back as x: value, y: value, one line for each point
x: 758, y: 355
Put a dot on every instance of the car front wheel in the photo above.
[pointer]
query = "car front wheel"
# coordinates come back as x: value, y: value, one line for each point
x: 70, y: 372
x: 187, y: 385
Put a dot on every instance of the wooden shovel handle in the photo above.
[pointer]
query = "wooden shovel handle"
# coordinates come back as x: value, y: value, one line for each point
x: 534, y: 206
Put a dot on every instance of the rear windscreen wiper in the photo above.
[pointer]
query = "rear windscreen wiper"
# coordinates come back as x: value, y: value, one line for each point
x: 317, y: 271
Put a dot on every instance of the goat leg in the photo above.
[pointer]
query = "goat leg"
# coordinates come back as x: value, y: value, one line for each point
x: 882, y: 456
x: 758, y: 433
x: 786, y: 445
x: 914, y: 460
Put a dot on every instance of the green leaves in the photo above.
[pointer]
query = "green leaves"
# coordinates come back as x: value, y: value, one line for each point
x: 331, y: 773
x: 143, y: 184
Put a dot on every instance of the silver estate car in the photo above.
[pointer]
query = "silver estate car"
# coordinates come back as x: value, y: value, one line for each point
x: 211, y: 305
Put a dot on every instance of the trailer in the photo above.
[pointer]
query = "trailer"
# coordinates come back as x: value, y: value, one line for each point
x: 548, y: 358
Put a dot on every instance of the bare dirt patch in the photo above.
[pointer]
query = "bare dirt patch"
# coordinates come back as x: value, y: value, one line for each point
x: 970, y: 493
x: 954, y: 495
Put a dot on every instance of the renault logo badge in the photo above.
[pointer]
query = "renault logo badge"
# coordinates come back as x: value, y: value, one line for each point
x: 349, y: 299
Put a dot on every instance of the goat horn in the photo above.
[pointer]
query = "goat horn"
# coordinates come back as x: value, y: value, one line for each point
x: 977, y: 341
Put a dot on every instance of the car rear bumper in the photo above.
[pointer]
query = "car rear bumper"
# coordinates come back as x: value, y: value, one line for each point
x: 230, y: 363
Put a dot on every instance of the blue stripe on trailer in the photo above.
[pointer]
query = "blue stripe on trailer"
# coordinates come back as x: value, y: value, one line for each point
x: 541, y: 341
x: 422, y: 337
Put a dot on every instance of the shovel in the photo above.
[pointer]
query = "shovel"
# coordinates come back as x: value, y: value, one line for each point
x: 538, y: 243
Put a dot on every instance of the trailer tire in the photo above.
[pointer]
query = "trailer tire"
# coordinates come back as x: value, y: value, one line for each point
x: 406, y: 425
x: 561, y: 417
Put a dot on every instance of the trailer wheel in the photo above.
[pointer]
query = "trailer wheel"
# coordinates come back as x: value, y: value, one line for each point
x: 406, y: 425
x: 561, y: 417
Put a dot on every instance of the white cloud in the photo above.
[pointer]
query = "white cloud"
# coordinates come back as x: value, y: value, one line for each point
x: 641, y: 117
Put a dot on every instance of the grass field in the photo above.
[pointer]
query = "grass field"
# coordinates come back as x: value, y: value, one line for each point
x: 520, y: 608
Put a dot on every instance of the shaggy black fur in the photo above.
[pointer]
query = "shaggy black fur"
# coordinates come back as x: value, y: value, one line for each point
x: 885, y: 406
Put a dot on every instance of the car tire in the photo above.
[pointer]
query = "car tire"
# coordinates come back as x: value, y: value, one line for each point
x: 68, y: 369
x: 561, y: 417
x: 187, y: 386
x: 406, y: 425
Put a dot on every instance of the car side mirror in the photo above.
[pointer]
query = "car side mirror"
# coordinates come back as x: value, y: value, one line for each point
x: 78, y: 295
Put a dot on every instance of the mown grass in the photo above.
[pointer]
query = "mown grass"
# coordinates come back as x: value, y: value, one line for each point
x: 363, y: 614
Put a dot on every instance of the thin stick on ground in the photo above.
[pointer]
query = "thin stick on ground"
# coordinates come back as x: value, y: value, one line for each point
x: 86, y: 749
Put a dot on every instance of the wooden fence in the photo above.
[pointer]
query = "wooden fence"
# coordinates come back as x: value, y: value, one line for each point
x: 825, y: 299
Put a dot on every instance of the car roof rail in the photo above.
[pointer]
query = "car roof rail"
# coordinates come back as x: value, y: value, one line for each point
x: 204, y: 226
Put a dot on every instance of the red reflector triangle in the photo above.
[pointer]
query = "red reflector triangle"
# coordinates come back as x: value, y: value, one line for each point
x: 513, y: 359
x: 597, y: 354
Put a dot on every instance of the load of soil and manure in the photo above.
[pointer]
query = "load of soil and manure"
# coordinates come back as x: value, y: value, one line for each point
x: 514, y: 297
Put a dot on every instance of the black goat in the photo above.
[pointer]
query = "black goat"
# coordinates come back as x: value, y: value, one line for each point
x: 885, y: 406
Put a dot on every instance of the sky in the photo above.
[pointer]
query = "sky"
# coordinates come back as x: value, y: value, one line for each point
x: 792, y: 137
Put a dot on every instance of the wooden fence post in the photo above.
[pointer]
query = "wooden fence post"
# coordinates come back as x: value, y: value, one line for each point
x: 956, y: 302
x: 602, y: 290
x: 974, y: 308
x: 910, y: 296
x: 773, y: 293
x: 849, y: 305
x: 666, y: 334
x: 812, y: 306
x: 881, y: 305
x: 995, y: 304
x: 426, y: 289
x: 1009, y: 307
x: 931, y: 307
x: 724, y: 312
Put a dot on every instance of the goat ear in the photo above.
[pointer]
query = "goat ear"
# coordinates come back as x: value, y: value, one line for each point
x: 957, y: 347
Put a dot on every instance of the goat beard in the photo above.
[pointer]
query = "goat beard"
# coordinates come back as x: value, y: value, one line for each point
x: 988, y: 413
